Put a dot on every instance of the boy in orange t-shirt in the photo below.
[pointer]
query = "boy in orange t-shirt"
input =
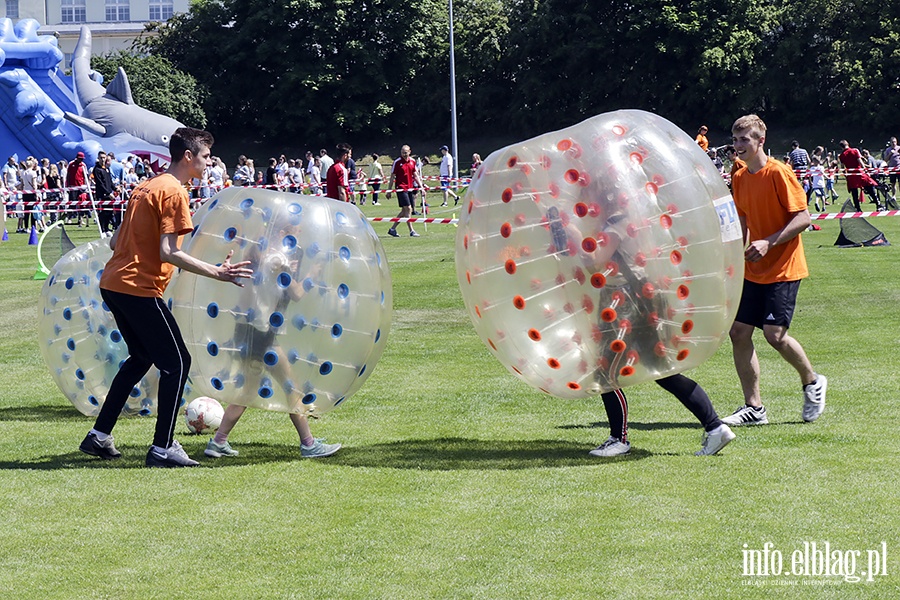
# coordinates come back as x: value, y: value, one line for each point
x: 772, y: 208
x: 146, y: 252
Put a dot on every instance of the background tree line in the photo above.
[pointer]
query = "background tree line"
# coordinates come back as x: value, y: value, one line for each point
x: 364, y: 68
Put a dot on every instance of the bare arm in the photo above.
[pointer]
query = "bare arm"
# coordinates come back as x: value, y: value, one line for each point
x: 798, y: 222
x: 420, y: 182
x: 170, y: 252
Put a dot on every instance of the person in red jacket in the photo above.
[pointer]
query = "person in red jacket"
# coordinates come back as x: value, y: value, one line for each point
x: 76, y: 177
x: 406, y: 177
x: 857, y: 178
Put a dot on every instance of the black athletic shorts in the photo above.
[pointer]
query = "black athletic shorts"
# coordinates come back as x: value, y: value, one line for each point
x: 406, y: 198
x: 253, y: 343
x: 768, y: 303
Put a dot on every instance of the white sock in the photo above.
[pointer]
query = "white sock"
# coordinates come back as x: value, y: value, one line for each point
x: 101, y: 437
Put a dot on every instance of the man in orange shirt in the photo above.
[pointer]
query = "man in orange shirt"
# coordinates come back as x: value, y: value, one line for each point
x: 772, y: 208
x: 146, y: 252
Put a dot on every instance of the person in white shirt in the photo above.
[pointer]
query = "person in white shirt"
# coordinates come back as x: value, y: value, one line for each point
x: 30, y: 180
x: 817, y: 181
x: 376, y: 175
x: 325, y: 162
x: 446, y: 174
x: 216, y: 177
x: 315, y: 176
x: 295, y: 175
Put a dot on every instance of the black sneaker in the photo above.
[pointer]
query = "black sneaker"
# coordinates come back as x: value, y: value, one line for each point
x: 105, y: 449
x: 173, y: 456
x: 393, y: 233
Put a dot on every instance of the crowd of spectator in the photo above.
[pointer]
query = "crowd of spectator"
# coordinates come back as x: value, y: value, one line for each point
x: 38, y: 191
x: 865, y: 172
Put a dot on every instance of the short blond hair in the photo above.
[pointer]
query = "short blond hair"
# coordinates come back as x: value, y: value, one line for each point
x: 752, y: 123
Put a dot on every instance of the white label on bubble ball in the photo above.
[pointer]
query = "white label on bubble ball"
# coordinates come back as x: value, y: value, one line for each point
x: 729, y: 223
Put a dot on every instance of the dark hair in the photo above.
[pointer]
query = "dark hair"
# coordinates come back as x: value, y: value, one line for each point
x: 374, y: 156
x: 343, y: 149
x: 188, y: 138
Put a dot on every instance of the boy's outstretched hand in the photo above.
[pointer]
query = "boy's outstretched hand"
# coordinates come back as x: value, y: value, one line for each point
x: 234, y: 272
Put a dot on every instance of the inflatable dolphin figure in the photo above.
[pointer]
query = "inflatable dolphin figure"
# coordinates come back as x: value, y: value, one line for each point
x: 111, y: 112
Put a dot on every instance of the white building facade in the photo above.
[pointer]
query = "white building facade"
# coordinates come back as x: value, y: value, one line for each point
x: 114, y: 24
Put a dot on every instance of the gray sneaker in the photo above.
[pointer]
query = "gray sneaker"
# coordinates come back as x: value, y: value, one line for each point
x: 214, y: 450
x: 173, y: 456
x: 105, y: 449
x: 715, y: 440
x: 319, y: 449
x: 613, y: 446
x: 747, y: 415
x: 814, y: 398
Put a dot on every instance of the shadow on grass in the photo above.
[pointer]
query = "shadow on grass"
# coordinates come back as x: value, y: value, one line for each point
x: 40, y: 413
x: 634, y: 425
x: 445, y: 454
x: 654, y: 426
x: 459, y: 454
x: 133, y: 457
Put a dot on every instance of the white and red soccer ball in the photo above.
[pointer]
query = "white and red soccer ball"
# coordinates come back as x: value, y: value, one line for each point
x: 203, y: 414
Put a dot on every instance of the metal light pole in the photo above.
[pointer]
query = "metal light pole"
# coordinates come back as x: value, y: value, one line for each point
x: 453, y: 142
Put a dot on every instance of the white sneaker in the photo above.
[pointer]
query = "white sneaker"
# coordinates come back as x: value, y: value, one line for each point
x: 715, y: 440
x: 611, y: 447
x: 319, y: 449
x: 214, y: 450
x: 173, y: 456
x: 747, y: 415
x: 814, y: 398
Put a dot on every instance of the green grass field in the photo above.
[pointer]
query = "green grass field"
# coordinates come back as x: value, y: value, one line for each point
x: 458, y: 481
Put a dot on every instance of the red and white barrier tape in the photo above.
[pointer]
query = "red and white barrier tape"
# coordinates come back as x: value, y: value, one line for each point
x: 415, y: 220
x: 854, y: 215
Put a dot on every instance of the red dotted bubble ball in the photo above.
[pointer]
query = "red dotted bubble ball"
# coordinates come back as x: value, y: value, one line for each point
x: 634, y: 261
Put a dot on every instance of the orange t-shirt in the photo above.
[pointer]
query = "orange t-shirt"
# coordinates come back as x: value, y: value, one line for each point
x: 702, y: 141
x: 157, y: 206
x: 767, y: 200
x: 737, y: 166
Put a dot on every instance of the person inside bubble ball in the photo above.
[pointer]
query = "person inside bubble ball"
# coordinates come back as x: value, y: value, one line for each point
x: 146, y: 252
x: 615, y: 245
x: 257, y: 338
